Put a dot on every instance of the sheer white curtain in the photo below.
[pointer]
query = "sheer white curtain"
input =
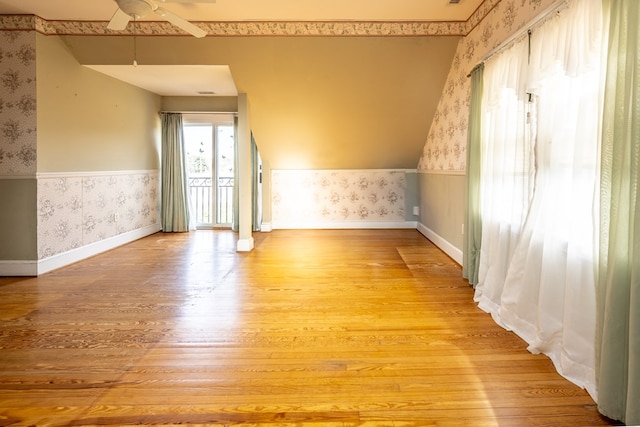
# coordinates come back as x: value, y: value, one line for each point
x: 538, y: 271
x: 507, y: 169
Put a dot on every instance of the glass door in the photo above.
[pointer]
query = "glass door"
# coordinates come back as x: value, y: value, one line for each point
x: 210, y: 149
x: 225, y: 165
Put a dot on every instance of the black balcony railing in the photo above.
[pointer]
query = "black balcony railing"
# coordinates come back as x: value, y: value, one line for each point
x: 201, y: 193
x: 225, y: 200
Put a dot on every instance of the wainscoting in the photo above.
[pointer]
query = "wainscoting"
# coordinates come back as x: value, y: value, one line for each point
x: 85, y: 213
x: 340, y: 199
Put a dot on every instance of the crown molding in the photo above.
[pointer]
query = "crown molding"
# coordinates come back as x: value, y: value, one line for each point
x: 257, y: 28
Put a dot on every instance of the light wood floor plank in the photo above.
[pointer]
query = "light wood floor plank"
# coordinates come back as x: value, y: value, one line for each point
x: 330, y: 328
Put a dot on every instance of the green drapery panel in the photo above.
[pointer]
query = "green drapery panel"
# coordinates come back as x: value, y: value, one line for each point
x: 473, y: 221
x: 175, y: 204
x: 618, y: 294
x: 235, y: 226
x: 256, y: 215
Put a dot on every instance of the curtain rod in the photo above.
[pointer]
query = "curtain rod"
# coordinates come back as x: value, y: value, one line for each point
x: 526, y: 29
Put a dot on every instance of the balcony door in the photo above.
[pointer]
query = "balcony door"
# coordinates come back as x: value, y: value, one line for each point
x: 210, y: 148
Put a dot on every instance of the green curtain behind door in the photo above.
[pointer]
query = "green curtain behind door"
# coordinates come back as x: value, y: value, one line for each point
x: 175, y: 205
x: 618, y: 296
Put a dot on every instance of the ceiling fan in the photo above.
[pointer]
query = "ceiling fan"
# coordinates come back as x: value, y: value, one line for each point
x: 138, y: 9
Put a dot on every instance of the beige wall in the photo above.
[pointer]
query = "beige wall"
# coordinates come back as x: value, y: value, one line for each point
x: 442, y: 205
x: 316, y: 102
x: 88, y: 121
x: 225, y: 104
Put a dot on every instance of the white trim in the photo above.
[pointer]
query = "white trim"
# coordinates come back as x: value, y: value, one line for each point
x: 245, y: 245
x: 18, y: 268
x: 442, y: 172
x: 44, y: 175
x: 345, y: 170
x: 441, y: 242
x: 266, y: 227
x: 78, y: 254
x: 346, y: 225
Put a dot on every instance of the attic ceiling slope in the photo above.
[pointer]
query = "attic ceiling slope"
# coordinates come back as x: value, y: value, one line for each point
x: 253, y: 28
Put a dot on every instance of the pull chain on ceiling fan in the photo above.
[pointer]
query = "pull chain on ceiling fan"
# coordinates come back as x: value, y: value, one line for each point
x: 135, y: 45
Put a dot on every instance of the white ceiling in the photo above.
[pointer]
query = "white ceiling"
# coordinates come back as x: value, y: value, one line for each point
x: 175, y: 80
x: 189, y: 80
x: 258, y: 10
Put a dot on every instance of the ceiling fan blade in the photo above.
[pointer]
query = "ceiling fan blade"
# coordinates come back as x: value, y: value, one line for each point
x: 181, y: 23
x: 119, y: 20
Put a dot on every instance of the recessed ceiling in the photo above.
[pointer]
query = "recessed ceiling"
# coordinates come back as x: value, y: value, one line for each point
x: 175, y: 80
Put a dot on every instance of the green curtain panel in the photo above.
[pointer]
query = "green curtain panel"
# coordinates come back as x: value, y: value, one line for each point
x: 175, y: 201
x: 618, y: 296
x: 473, y: 222
x: 256, y: 178
x: 235, y: 225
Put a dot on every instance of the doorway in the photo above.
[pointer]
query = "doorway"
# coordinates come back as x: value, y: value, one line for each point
x: 210, y: 156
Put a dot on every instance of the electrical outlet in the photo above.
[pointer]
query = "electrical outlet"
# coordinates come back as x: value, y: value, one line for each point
x: 116, y: 217
x: 416, y: 210
x: 462, y: 228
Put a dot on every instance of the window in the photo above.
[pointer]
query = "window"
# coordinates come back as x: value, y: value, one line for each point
x: 538, y: 189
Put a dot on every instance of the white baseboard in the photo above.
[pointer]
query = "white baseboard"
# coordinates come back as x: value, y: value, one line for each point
x: 346, y: 225
x: 442, y: 243
x: 266, y: 227
x: 245, y: 245
x: 75, y: 255
x: 36, y: 268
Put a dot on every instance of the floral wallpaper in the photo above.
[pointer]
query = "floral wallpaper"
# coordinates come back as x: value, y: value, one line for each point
x: 17, y: 103
x: 261, y: 28
x: 312, y: 197
x: 445, y: 147
x: 74, y: 211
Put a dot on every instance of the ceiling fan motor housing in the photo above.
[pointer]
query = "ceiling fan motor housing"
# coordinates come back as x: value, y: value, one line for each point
x: 135, y: 8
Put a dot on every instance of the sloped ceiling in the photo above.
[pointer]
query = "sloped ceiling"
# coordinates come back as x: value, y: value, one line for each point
x: 315, y: 102
x: 332, y: 85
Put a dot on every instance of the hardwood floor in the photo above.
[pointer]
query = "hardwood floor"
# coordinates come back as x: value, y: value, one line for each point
x: 312, y: 328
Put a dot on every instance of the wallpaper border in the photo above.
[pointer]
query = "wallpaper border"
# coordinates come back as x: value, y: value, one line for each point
x: 259, y: 28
